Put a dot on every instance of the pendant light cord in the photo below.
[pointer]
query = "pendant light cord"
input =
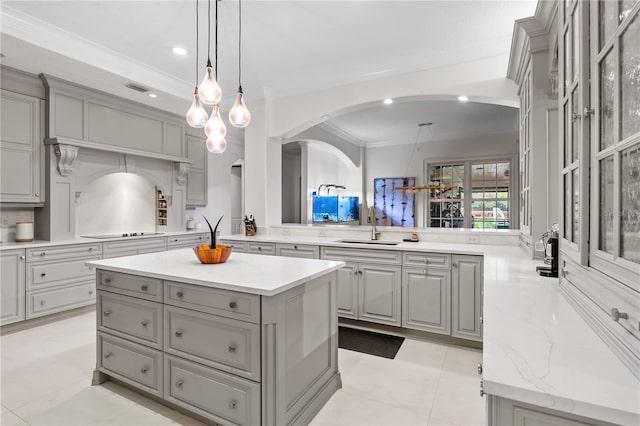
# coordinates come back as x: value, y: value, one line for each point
x: 240, y: 44
x: 197, y: 21
x: 209, y: 33
x: 216, y: 54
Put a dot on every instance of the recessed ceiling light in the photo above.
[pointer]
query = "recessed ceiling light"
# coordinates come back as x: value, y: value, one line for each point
x: 463, y: 98
x: 388, y: 101
x: 153, y: 95
x: 179, y: 50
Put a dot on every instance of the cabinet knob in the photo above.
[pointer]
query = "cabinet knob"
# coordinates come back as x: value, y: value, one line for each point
x: 90, y: 248
x: 107, y: 354
x: 106, y: 313
x: 259, y: 248
x: 233, y: 305
x: 481, y: 388
x: 179, y: 383
x: 107, y: 280
x: 178, y: 333
x: 90, y: 292
x: 144, y: 370
x: 200, y: 238
x: 180, y: 294
x: 22, y: 257
x: 144, y: 323
x: 144, y: 287
x: 479, y: 368
x: 616, y: 314
x: 43, y: 302
x: 43, y: 274
x: 295, y: 247
x: 175, y: 241
x: 232, y: 348
x: 455, y: 265
x: 43, y: 254
x: 233, y: 404
x: 359, y: 272
x: 37, y: 194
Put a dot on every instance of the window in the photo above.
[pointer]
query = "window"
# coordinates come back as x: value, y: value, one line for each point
x: 488, y: 202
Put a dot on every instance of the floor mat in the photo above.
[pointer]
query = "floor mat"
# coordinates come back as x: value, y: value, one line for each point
x: 369, y: 342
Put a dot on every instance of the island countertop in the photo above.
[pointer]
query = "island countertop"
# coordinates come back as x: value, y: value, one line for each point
x: 247, y: 273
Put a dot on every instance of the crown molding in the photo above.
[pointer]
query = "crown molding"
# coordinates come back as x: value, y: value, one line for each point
x: 342, y: 134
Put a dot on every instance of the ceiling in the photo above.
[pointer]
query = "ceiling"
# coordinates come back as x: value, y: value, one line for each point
x: 288, y: 47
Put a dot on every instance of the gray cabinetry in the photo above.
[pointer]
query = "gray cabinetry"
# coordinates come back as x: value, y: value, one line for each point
x: 187, y: 241
x: 131, y: 248
x: 261, y: 248
x: 12, y: 285
x: 238, y: 246
x: 298, y: 250
x: 466, y: 297
x: 426, y: 299
x: 369, y: 285
x: 197, y: 177
x: 21, y: 149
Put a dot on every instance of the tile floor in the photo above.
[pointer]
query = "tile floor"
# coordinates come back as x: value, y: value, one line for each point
x: 46, y: 375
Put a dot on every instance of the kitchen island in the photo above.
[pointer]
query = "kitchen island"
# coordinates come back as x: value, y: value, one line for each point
x: 250, y: 341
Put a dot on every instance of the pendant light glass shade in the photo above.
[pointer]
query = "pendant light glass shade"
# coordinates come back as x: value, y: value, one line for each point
x: 209, y: 90
x: 216, y: 146
x: 239, y: 115
x: 215, y: 127
x: 197, y: 116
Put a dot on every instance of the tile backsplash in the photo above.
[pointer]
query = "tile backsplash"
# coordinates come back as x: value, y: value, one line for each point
x: 8, y: 219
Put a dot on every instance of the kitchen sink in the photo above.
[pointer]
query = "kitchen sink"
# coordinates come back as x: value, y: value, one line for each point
x: 375, y: 242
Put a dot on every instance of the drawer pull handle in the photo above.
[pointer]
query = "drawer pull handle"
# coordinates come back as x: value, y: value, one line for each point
x: 233, y: 405
x: 90, y: 248
x: 106, y: 313
x: 144, y: 323
x: 178, y: 333
x: 43, y: 274
x: 455, y: 265
x: 107, y: 280
x: 144, y: 370
x: 90, y: 292
x: 180, y: 294
x: 295, y: 247
x: 179, y: 383
x: 259, y: 248
x: 144, y: 287
x: 616, y: 315
x: 107, y: 354
x: 232, y: 348
x: 43, y: 302
x: 43, y: 254
x: 199, y: 238
x: 175, y: 241
x: 233, y: 305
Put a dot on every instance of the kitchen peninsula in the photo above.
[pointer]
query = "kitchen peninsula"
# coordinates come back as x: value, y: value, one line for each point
x: 250, y: 341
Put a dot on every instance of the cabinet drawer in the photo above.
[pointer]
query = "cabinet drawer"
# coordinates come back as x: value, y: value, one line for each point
x: 134, y: 364
x: 130, y: 285
x: 226, y: 344
x: 361, y: 255
x: 231, y: 304
x: 261, y: 248
x: 131, y: 318
x: 63, y: 252
x: 180, y: 241
x: 238, y: 246
x: 433, y: 260
x: 51, y: 300
x: 138, y: 246
x: 215, y: 395
x: 48, y: 274
x: 298, y: 250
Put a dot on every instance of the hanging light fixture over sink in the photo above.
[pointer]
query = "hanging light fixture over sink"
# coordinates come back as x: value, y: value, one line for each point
x: 197, y: 116
x: 239, y: 115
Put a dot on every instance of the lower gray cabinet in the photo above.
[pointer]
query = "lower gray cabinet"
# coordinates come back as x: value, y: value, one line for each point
x: 348, y: 290
x: 426, y: 299
x: 379, y: 292
x: 298, y: 250
x: 187, y: 241
x: 12, y: 285
x: 466, y: 297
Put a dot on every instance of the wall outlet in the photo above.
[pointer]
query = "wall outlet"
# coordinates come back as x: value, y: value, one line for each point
x: 472, y: 239
x: 322, y: 233
x: 285, y: 232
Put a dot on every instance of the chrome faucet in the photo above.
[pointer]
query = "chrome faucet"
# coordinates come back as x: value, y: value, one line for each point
x: 372, y: 218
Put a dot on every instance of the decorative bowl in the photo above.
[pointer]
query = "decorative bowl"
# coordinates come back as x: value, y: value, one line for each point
x: 206, y: 254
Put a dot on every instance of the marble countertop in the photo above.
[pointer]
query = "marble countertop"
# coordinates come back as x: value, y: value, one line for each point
x: 8, y: 245
x: 536, y: 348
x: 247, y: 273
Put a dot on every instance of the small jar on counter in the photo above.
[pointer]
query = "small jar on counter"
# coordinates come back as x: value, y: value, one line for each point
x: 24, y: 232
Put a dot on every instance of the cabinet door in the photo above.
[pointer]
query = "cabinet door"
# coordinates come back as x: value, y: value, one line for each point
x: 426, y: 299
x: 12, y: 283
x: 298, y: 250
x: 197, y: 176
x: 466, y: 296
x: 379, y: 291
x: 348, y: 290
x: 20, y: 148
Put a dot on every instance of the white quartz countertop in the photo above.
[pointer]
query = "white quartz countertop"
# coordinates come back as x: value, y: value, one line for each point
x: 247, y: 273
x: 9, y: 245
x: 536, y: 348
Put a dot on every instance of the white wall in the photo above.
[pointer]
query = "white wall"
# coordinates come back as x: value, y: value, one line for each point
x: 274, y: 119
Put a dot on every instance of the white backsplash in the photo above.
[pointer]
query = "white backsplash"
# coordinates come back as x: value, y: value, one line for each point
x: 8, y: 219
x: 115, y: 203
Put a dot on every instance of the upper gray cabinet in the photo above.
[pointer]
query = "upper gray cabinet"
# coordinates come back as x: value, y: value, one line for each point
x: 197, y: 176
x: 20, y: 149
x: 87, y: 118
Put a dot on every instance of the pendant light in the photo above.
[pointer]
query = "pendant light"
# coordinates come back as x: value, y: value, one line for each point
x: 210, y: 92
x: 239, y: 115
x: 196, y: 115
x: 215, y: 128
